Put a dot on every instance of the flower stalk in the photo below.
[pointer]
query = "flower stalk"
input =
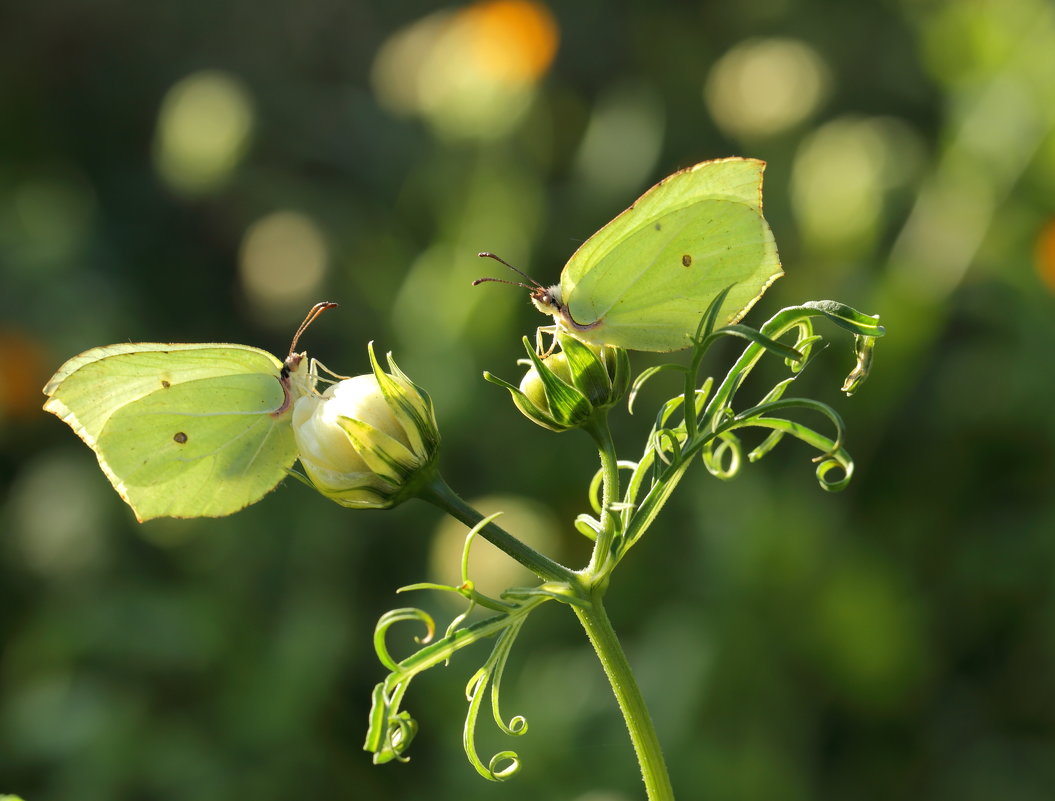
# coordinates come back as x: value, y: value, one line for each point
x: 605, y: 642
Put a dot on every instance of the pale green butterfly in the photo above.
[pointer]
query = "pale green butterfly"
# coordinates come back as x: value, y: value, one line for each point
x: 186, y: 430
x: 644, y: 281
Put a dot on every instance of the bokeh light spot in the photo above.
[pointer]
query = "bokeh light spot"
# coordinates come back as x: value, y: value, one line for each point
x: 23, y: 375
x: 763, y: 87
x: 513, y: 40
x: 470, y: 73
x: 1045, y: 254
x: 623, y: 140
x: 203, y: 131
x: 283, y: 261
x: 840, y: 175
x: 59, y: 540
x: 400, y: 61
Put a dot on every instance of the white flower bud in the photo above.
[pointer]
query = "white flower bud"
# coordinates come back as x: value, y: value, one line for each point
x: 364, y: 440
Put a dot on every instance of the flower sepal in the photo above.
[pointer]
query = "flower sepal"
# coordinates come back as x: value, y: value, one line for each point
x: 567, y: 388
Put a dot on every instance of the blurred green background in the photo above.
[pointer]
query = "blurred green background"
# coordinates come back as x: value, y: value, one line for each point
x: 204, y: 171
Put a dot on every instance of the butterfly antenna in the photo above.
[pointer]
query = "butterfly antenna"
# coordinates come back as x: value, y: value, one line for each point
x: 503, y: 281
x: 316, y: 310
x: 487, y: 255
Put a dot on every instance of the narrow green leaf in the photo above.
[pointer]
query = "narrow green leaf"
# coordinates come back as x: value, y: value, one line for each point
x: 848, y: 317
x: 752, y: 335
x: 644, y: 376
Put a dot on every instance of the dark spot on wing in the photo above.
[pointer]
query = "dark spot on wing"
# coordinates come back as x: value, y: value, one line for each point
x: 180, y: 437
x: 659, y: 227
x: 686, y: 260
x: 165, y: 384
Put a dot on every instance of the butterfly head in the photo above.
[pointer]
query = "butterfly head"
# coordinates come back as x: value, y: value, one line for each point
x: 548, y: 300
x: 298, y: 374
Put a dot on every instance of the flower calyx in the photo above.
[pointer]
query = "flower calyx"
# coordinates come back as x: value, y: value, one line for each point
x: 568, y: 388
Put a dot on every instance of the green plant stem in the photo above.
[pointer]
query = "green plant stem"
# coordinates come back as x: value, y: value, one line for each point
x: 631, y: 703
x: 602, y: 547
x: 439, y: 493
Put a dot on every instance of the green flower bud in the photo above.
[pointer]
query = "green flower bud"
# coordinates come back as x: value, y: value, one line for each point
x: 566, y: 389
x: 366, y: 441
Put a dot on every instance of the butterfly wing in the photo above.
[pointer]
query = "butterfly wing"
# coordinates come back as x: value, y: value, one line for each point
x: 180, y: 430
x: 651, y: 292
x: 650, y: 274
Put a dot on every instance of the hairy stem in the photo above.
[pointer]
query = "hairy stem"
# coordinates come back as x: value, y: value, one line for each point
x: 631, y: 703
x: 602, y: 548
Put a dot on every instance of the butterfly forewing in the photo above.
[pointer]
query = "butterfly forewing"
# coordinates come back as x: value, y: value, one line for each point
x: 88, y: 388
x: 734, y: 179
x: 651, y: 293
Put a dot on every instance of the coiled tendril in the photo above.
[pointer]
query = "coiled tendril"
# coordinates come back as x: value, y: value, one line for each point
x: 391, y: 729
x: 709, y: 416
